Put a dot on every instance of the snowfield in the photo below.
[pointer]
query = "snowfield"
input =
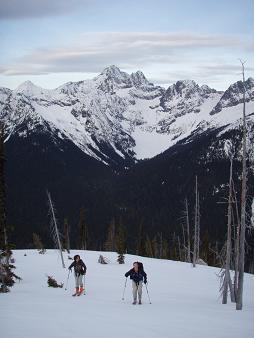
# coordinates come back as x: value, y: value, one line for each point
x: 185, y: 301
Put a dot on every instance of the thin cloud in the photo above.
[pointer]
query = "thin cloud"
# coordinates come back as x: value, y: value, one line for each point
x: 23, y: 9
x: 94, y: 51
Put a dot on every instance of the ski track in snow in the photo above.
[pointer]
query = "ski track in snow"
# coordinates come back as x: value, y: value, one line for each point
x: 185, y: 301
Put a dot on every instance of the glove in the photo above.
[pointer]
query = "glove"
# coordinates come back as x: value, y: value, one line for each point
x: 69, y: 269
x: 145, y: 281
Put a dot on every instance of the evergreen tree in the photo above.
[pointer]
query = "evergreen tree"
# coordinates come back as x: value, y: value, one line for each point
x: 110, y: 244
x: 165, y: 249
x: 206, y: 254
x: 83, y: 232
x: 139, y: 238
x: 155, y: 247
x: 6, y: 274
x: 120, y: 244
x: 173, y: 249
x: 38, y: 244
x: 140, y: 248
x: 149, y: 247
x: 66, y: 240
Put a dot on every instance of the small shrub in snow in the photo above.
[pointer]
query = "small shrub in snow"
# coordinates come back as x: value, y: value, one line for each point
x: 120, y: 258
x: 38, y: 244
x: 53, y: 283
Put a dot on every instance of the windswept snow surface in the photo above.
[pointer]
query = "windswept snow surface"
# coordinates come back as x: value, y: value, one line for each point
x: 185, y: 301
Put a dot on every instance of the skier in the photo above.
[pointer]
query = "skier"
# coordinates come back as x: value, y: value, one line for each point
x: 79, y: 272
x: 138, y: 275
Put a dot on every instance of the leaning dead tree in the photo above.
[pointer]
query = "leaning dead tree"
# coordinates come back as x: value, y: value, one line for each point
x: 237, y: 226
x: 227, y: 283
x: 239, y: 300
x: 54, y: 228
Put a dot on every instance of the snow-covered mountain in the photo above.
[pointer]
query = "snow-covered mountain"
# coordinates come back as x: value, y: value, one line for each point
x: 121, y: 114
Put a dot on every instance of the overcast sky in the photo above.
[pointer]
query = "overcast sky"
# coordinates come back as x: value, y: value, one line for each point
x: 51, y: 42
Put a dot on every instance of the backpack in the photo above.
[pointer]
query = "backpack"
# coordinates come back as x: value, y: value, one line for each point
x: 140, y: 266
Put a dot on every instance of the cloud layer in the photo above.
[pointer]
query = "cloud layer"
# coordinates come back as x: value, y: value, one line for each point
x: 22, y: 9
x: 94, y: 51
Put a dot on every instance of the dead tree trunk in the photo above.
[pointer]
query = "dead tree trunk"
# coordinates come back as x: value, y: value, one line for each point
x: 236, y: 243
x: 239, y: 300
x: 195, y: 244
x: 179, y: 248
x: 188, y: 231
x: 184, y: 244
x: 198, y: 225
x: 227, y: 278
x: 54, y: 229
x: 161, y: 245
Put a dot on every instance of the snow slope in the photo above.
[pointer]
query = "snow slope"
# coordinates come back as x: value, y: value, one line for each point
x: 185, y: 301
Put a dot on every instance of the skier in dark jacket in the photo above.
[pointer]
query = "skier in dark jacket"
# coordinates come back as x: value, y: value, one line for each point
x: 138, y: 276
x: 79, y: 271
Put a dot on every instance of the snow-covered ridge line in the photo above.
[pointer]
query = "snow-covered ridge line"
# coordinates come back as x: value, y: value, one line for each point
x: 121, y: 113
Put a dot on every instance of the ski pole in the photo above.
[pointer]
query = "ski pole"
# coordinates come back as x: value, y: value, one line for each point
x: 67, y: 280
x: 124, y: 288
x: 84, y: 284
x: 148, y: 294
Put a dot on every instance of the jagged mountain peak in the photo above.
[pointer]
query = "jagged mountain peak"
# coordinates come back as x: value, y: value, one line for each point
x: 25, y: 85
x: 186, y: 89
x: 234, y: 95
x: 186, y: 83
x: 138, y: 79
x: 250, y: 81
x: 114, y: 73
x: 28, y: 88
x: 190, y: 87
x: 112, y: 70
x: 112, y: 77
x: 181, y: 87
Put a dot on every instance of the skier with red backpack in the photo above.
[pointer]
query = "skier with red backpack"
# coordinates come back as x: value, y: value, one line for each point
x: 138, y: 276
x: 79, y: 271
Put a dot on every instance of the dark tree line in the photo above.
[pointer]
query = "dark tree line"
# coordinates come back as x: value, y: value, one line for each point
x: 7, y: 276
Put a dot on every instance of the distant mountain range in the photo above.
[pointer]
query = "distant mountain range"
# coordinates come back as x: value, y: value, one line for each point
x: 116, y: 140
x: 121, y: 113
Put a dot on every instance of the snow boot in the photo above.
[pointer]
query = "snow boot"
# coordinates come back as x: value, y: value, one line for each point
x: 76, y: 293
x: 80, y: 291
x: 140, y: 302
x: 134, y: 302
